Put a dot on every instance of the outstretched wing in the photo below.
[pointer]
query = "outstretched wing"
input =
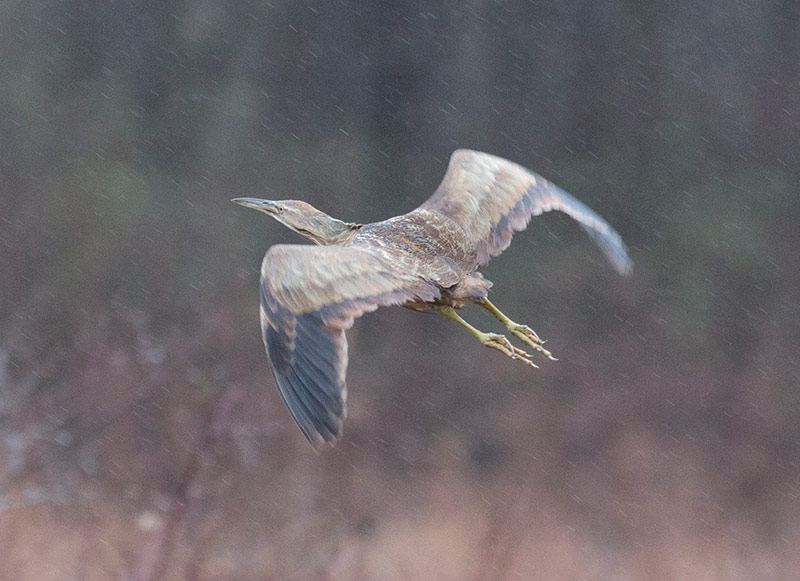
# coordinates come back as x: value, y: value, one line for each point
x: 491, y: 198
x: 309, y: 296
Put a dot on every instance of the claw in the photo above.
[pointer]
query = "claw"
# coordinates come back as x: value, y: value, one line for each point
x: 503, y: 345
x: 523, y: 332
x: 529, y: 337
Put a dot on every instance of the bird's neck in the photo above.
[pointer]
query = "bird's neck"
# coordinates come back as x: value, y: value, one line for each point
x: 340, y: 233
x: 328, y: 231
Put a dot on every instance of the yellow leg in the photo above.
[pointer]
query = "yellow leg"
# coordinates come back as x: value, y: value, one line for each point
x: 523, y: 332
x: 489, y: 339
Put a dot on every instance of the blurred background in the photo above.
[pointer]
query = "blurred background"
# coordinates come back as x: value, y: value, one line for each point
x: 141, y: 435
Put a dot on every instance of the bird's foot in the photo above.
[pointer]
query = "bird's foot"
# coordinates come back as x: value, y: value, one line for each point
x: 529, y: 337
x: 503, y: 345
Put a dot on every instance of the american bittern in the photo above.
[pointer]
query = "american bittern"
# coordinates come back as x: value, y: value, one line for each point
x: 425, y: 260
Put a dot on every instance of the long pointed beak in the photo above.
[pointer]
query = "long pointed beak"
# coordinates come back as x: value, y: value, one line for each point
x: 266, y: 206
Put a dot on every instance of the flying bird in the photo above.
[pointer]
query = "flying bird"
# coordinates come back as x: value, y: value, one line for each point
x: 425, y: 260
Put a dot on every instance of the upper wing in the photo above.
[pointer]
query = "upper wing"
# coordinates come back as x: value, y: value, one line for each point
x: 309, y: 296
x: 491, y: 198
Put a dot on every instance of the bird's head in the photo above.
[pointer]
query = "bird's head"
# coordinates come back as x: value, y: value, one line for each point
x: 304, y: 219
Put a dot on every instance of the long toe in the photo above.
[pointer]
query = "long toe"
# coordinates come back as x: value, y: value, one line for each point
x: 529, y: 337
x: 525, y: 330
x: 503, y: 345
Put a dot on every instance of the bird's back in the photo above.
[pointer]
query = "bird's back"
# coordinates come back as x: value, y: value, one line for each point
x: 421, y: 243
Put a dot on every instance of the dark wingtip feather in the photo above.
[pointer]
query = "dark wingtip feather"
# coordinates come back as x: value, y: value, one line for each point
x: 307, y: 378
x: 613, y: 247
x: 608, y: 239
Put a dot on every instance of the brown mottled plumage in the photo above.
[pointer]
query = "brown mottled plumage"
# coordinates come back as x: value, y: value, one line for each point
x: 423, y: 260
